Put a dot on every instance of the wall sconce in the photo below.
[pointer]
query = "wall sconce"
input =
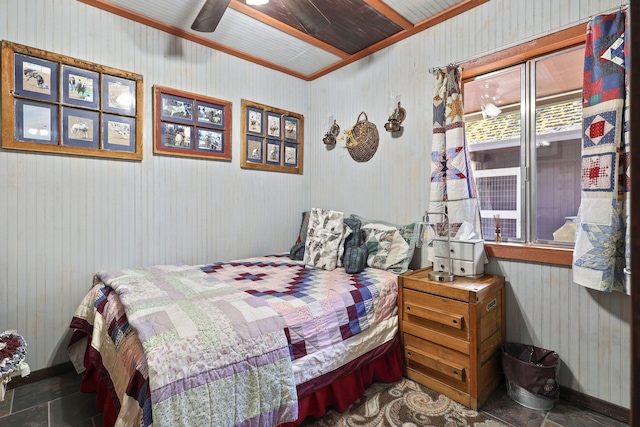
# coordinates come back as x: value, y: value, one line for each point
x: 257, y: 2
x: 332, y: 134
x: 395, y: 119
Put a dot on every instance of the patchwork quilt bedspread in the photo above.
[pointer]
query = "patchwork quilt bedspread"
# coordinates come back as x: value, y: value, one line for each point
x: 320, y: 307
x: 203, y: 338
x: 182, y: 313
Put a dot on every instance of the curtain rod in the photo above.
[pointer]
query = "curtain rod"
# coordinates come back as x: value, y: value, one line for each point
x: 436, y: 70
x: 606, y: 12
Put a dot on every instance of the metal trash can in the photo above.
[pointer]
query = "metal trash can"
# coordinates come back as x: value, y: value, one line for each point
x: 531, y: 374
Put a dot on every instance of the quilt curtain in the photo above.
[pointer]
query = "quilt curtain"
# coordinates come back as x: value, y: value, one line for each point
x: 602, y: 249
x: 453, y: 189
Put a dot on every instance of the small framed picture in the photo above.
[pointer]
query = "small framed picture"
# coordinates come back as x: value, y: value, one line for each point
x: 191, y: 125
x: 210, y: 114
x: 274, y: 124
x: 118, y: 133
x: 36, y: 78
x: 254, y: 121
x: 290, y: 157
x: 290, y: 129
x: 175, y: 135
x: 210, y: 140
x: 274, y: 152
x: 175, y: 108
x: 36, y: 122
x: 80, y: 128
x: 118, y: 95
x: 80, y: 87
x: 254, y: 150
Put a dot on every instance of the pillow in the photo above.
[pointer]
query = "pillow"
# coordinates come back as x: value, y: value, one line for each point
x: 386, y: 249
x: 355, y: 248
x: 325, y: 233
x: 297, y: 250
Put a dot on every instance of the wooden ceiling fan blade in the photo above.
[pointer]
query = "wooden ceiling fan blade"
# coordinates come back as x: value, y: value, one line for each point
x: 309, y: 16
x: 210, y: 15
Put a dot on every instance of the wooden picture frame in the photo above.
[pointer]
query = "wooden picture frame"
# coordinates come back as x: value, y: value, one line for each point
x: 191, y: 125
x: 53, y: 103
x: 267, y: 144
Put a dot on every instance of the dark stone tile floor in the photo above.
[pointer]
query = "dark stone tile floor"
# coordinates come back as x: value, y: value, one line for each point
x: 57, y: 402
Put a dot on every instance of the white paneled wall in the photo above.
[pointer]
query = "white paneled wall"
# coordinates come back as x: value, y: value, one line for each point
x: 590, y: 330
x: 63, y: 218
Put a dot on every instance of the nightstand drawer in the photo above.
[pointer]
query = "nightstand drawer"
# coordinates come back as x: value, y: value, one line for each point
x: 441, y: 320
x: 441, y: 363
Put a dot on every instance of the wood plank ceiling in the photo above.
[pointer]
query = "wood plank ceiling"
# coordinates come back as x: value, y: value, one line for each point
x: 271, y: 36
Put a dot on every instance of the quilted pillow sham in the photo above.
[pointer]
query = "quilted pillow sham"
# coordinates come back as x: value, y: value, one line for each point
x: 389, y: 246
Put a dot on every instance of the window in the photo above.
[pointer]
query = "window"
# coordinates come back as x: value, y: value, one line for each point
x: 523, y: 127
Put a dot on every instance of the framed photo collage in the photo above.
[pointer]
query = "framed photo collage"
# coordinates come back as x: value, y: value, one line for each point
x: 57, y: 104
x: 272, y: 139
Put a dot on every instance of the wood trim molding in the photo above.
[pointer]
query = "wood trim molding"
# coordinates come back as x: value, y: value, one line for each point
x: 421, y: 26
x: 553, y: 42
x: 390, y: 13
x: 262, y: 17
x: 41, y: 374
x: 532, y: 253
x: 120, y: 11
x: 596, y: 405
x: 345, y: 58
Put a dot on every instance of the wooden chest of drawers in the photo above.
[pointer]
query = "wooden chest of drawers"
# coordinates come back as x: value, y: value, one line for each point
x: 451, y: 334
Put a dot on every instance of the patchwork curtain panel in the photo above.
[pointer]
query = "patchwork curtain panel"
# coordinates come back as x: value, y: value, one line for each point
x: 452, y: 189
x: 602, y: 249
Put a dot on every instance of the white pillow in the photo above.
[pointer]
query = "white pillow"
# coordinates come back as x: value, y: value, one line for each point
x: 324, y: 238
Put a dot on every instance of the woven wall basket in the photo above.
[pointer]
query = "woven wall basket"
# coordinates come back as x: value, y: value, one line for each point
x: 362, y: 139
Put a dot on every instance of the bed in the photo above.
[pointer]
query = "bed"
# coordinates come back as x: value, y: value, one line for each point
x: 260, y: 341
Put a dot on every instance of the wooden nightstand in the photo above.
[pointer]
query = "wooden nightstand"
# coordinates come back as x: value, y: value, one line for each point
x: 451, y: 334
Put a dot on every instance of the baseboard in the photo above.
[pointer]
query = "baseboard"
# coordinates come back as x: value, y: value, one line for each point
x: 41, y: 374
x: 596, y: 405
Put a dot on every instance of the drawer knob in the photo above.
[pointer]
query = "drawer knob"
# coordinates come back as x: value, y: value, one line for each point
x: 462, y: 269
x: 408, y: 308
x: 408, y: 353
x: 455, y: 322
x: 455, y: 373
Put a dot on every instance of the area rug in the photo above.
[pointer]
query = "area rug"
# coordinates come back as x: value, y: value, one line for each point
x: 403, y: 404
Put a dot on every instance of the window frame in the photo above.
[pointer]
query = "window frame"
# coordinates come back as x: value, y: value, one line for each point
x: 570, y: 37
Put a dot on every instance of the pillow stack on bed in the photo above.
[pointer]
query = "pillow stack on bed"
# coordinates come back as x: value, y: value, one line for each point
x: 328, y: 240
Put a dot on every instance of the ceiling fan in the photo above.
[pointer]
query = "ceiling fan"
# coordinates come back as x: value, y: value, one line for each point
x: 309, y: 16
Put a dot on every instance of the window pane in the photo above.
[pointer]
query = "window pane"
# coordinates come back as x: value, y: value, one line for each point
x: 493, y: 130
x: 558, y: 124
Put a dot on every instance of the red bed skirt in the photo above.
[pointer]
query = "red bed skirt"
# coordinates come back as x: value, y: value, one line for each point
x: 343, y: 391
x: 343, y: 386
